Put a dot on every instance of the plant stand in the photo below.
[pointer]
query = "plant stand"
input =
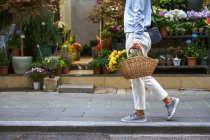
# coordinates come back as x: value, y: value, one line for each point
x: 51, y: 84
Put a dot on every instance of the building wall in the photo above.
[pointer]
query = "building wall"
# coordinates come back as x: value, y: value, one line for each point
x: 74, y: 13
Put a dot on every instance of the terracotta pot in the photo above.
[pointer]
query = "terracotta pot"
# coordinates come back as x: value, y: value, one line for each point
x: 4, y: 70
x: 58, y: 71
x: 191, y: 61
x: 105, y: 71
x: 96, y: 71
x: 65, y: 70
x: 15, y: 51
x: 163, y: 31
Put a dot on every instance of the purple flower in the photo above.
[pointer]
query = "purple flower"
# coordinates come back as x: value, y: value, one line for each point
x: 161, y: 13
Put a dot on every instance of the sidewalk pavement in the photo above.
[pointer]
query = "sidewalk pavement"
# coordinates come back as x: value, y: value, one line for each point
x: 53, y: 111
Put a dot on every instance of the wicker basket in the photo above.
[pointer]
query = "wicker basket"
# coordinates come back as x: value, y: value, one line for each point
x: 137, y: 66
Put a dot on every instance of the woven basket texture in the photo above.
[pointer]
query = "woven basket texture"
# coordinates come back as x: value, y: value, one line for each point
x: 137, y: 66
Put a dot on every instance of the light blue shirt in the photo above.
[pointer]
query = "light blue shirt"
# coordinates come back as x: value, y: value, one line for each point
x: 137, y: 17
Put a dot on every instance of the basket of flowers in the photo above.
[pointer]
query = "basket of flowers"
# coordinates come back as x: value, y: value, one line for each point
x: 115, y: 58
x: 133, y: 66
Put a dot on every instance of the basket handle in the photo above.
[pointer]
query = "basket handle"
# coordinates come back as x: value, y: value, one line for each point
x: 140, y: 48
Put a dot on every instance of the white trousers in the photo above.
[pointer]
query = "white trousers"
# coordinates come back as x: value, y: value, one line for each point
x: 138, y: 85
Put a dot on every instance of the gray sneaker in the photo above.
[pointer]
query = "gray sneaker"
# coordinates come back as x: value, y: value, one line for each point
x: 134, y: 118
x: 172, y: 107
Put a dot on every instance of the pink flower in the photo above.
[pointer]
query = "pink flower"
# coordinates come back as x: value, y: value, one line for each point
x: 114, y: 28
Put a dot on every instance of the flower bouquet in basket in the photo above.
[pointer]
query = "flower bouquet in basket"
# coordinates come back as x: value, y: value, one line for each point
x: 115, y: 58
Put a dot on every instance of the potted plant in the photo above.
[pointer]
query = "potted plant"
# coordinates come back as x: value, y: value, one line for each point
x: 95, y: 65
x: 14, y: 43
x: 4, y: 63
x: 42, y: 31
x: 204, y: 55
x: 36, y: 75
x: 60, y: 64
x: 106, y: 39
x: 51, y: 63
x: 192, y: 51
x: 66, y: 57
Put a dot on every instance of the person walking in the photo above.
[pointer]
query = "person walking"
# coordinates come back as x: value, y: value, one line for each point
x: 137, y: 17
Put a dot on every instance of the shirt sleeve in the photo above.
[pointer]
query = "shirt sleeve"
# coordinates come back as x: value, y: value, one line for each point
x: 138, y: 19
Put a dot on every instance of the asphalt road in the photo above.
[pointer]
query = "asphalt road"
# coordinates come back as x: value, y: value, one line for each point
x: 97, y: 136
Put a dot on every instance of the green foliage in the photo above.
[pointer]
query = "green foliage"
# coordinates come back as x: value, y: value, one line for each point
x: 104, y: 53
x: 170, y: 4
x: 4, y: 60
x: 35, y: 74
x: 41, y: 31
x: 106, y: 34
x: 103, y: 61
x: 95, y: 63
x: 14, y: 42
x: 204, y: 53
x: 87, y: 50
x: 192, y: 49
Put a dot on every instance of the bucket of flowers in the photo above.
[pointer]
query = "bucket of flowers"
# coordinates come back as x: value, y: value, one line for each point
x: 36, y: 75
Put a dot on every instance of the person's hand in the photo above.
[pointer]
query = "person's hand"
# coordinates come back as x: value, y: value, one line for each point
x: 136, y: 45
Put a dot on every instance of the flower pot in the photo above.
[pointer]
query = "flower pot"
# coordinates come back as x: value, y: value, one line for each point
x: 58, y: 71
x: 194, y: 5
x: 15, y: 51
x: 46, y: 50
x: 37, y: 85
x: 204, y: 61
x: 105, y: 71
x: 163, y: 31
x: 21, y: 64
x: 191, y: 61
x: 51, y: 73
x: 97, y: 71
x: 176, y: 61
x: 4, y: 70
x: 65, y: 70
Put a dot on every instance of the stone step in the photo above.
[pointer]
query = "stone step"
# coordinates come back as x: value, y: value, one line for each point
x: 76, y: 88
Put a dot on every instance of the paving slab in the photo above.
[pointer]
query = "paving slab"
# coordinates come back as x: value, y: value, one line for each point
x: 76, y: 88
x: 54, y: 111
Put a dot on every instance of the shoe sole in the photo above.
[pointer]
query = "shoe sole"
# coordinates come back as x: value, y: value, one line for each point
x: 177, y: 101
x: 134, y: 121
